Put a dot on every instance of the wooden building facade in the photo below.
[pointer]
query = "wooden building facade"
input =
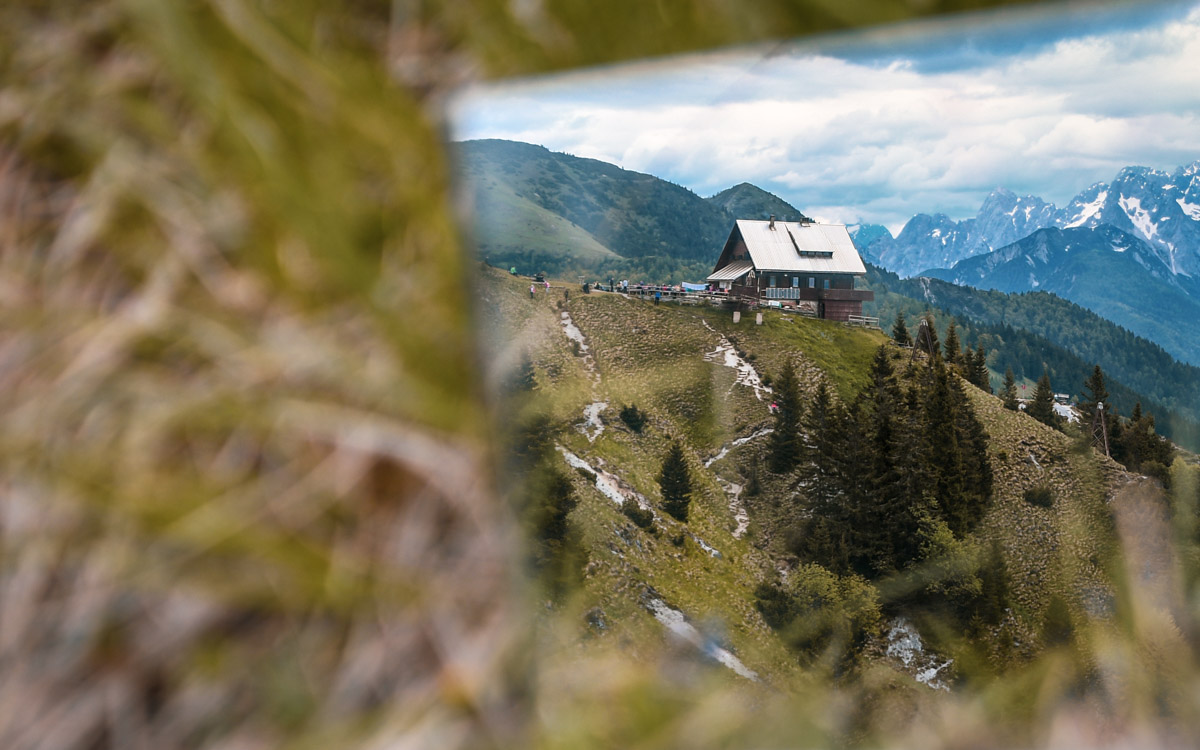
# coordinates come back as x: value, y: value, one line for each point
x: 803, y: 265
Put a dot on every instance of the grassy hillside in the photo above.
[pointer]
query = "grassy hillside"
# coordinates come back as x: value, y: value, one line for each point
x: 514, y: 230
x: 661, y: 359
x: 635, y: 215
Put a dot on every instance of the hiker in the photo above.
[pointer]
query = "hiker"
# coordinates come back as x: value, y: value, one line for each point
x: 657, y: 296
x: 547, y: 285
x: 531, y: 291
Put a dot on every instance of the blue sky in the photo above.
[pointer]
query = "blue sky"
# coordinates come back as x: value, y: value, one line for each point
x: 877, y: 126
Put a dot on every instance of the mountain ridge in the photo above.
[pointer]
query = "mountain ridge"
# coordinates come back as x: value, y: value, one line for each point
x: 1161, y: 208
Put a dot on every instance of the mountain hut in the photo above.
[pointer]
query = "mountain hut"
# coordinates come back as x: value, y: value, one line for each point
x: 799, y: 264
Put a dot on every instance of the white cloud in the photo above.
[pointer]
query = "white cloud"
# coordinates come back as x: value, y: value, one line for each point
x: 863, y: 140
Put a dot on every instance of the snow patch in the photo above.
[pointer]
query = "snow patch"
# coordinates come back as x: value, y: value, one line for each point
x: 742, y: 518
x: 610, y: 485
x: 573, y: 331
x: 591, y: 427
x: 733, y: 491
x: 1088, y: 211
x: 1140, y: 217
x: 736, y: 443
x: 1191, y: 209
x: 725, y: 354
x: 904, y: 644
x: 1066, y: 411
x: 711, y: 550
x: 676, y: 622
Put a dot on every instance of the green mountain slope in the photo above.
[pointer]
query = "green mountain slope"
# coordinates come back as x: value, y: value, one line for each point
x: 1103, y: 269
x: 511, y: 229
x: 594, y: 354
x: 1065, y: 330
x: 634, y: 215
x: 746, y: 201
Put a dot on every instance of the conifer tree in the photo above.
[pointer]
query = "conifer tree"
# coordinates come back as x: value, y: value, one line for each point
x: 828, y: 527
x: 942, y: 454
x: 979, y: 370
x: 1095, y: 391
x: 675, y: 481
x: 785, y: 446
x: 1042, y: 406
x: 1008, y: 393
x: 900, y: 331
x: 554, y: 544
x: 1139, y: 447
x: 886, y: 520
x: 953, y: 350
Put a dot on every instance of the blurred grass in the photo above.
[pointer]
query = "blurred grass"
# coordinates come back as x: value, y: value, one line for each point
x: 247, y: 495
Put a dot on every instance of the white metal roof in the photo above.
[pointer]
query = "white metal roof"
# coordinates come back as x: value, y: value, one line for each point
x: 733, y: 271
x: 792, y: 246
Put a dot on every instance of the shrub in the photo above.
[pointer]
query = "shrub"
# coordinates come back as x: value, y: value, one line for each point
x: 642, y: 517
x: 1041, y: 496
x: 634, y: 418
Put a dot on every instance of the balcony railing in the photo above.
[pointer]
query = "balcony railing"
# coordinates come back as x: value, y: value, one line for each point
x: 805, y: 293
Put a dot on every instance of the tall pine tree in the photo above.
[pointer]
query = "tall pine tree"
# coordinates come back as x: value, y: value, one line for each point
x: 1042, y: 406
x: 887, y: 519
x: 1095, y: 392
x: 978, y: 369
x: 1008, y: 394
x: 828, y: 528
x: 785, y: 447
x: 675, y: 481
x: 900, y: 331
x: 953, y: 353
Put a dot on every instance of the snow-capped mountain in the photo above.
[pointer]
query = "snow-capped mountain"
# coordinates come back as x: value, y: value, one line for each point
x: 1161, y: 208
x: 1109, y: 271
x: 937, y: 241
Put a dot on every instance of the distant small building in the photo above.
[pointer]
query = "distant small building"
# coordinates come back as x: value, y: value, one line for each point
x: 797, y: 264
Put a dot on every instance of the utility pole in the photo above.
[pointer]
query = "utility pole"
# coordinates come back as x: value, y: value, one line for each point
x: 923, y: 340
x: 1100, y: 430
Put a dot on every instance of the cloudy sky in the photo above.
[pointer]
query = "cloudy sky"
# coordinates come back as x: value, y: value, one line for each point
x: 876, y: 127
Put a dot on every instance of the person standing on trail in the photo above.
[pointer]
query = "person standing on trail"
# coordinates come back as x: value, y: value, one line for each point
x: 657, y: 296
x: 531, y: 291
x: 547, y: 285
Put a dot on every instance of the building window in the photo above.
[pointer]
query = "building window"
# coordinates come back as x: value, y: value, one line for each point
x: 812, y: 282
x: 772, y: 281
x: 826, y: 283
x: 795, y: 281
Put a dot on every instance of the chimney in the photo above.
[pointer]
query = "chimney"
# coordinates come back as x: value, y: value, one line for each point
x: 772, y: 224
